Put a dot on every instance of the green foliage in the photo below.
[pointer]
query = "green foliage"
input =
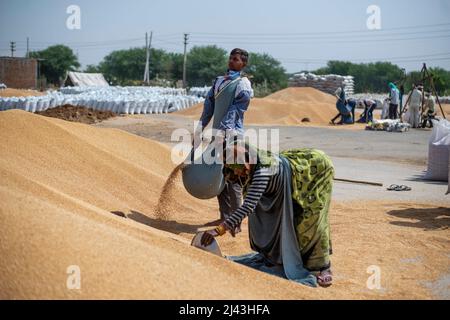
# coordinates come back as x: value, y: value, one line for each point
x: 371, y: 77
x: 267, y: 73
x: 374, y: 77
x: 57, y: 61
x: 261, y: 90
x: 124, y: 67
x: 204, y: 64
x: 174, y: 66
x: 90, y: 68
x: 441, y: 79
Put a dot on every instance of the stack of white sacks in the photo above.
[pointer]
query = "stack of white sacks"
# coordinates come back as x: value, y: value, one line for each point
x: 325, y: 83
x: 199, y: 91
x: 124, y: 100
x: 439, y: 153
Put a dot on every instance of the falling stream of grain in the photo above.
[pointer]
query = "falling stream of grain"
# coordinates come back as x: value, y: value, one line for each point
x: 164, y: 208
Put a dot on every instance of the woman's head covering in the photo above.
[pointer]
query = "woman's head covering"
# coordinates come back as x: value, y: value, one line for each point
x: 248, y: 153
x: 392, y: 86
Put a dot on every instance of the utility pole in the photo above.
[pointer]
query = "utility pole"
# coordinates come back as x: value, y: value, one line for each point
x: 28, y: 48
x: 13, y: 48
x: 184, y: 60
x: 146, y: 59
x: 148, y: 46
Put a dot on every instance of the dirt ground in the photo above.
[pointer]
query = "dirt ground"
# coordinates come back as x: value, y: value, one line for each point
x: 75, y: 194
x: 77, y: 114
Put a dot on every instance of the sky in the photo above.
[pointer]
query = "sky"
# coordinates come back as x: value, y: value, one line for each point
x: 302, y: 35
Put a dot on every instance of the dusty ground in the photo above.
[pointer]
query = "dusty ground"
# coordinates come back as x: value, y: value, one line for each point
x: 77, y: 114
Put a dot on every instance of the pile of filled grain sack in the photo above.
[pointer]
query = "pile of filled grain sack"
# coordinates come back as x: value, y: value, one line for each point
x: 325, y: 83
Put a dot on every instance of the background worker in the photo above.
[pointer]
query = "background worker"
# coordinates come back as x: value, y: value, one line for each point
x: 369, y: 106
x: 343, y: 109
x: 415, y: 103
x: 429, y: 110
x: 232, y: 124
x: 394, y: 97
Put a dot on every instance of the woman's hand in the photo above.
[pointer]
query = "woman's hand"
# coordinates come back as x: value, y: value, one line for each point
x: 209, y: 235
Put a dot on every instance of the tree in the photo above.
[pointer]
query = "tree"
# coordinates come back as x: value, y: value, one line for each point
x: 267, y: 73
x: 175, y: 66
x: 90, y: 68
x: 57, y: 61
x: 441, y: 79
x: 127, y: 66
x: 204, y: 64
x: 122, y: 65
x: 371, y: 77
x: 207, y: 62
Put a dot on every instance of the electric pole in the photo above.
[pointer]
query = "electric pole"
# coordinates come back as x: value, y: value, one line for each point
x: 148, y: 45
x: 184, y: 60
x: 28, y: 48
x: 13, y: 48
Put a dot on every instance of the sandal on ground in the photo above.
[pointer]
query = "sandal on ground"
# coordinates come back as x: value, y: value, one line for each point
x: 325, y: 278
x: 396, y: 187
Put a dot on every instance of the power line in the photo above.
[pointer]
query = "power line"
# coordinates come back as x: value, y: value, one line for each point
x: 324, y: 32
x: 322, y: 37
x: 311, y: 41
x: 369, y: 59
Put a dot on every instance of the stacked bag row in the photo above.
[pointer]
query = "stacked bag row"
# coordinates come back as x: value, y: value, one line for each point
x: 325, y: 83
x: 123, y: 100
x: 201, y: 92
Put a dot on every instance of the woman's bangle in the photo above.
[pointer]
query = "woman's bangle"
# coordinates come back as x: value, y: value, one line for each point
x: 221, y: 230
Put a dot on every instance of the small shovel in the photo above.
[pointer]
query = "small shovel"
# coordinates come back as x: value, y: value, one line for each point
x: 212, y: 248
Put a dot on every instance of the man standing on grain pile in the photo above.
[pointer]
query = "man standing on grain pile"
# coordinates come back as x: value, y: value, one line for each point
x: 232, y: 123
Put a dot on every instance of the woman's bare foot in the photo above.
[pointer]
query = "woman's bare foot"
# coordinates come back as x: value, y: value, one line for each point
x: 324, y: 278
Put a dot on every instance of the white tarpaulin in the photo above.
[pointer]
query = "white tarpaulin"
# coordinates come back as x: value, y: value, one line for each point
x: 79, y: 79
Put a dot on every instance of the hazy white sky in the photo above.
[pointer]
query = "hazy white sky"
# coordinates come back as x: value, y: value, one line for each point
x: 301, y: 34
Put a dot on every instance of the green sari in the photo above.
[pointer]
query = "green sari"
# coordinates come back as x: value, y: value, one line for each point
x: 312, y: 174
x: 312, y: 179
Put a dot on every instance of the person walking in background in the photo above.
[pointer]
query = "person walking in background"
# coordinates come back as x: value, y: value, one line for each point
x: 414, y: 106
x: 394, y: 96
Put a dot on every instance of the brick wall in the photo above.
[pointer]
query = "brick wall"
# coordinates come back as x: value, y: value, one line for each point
x: 18, y: 73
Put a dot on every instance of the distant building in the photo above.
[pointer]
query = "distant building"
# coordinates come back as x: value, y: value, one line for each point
x: 21, y: 73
